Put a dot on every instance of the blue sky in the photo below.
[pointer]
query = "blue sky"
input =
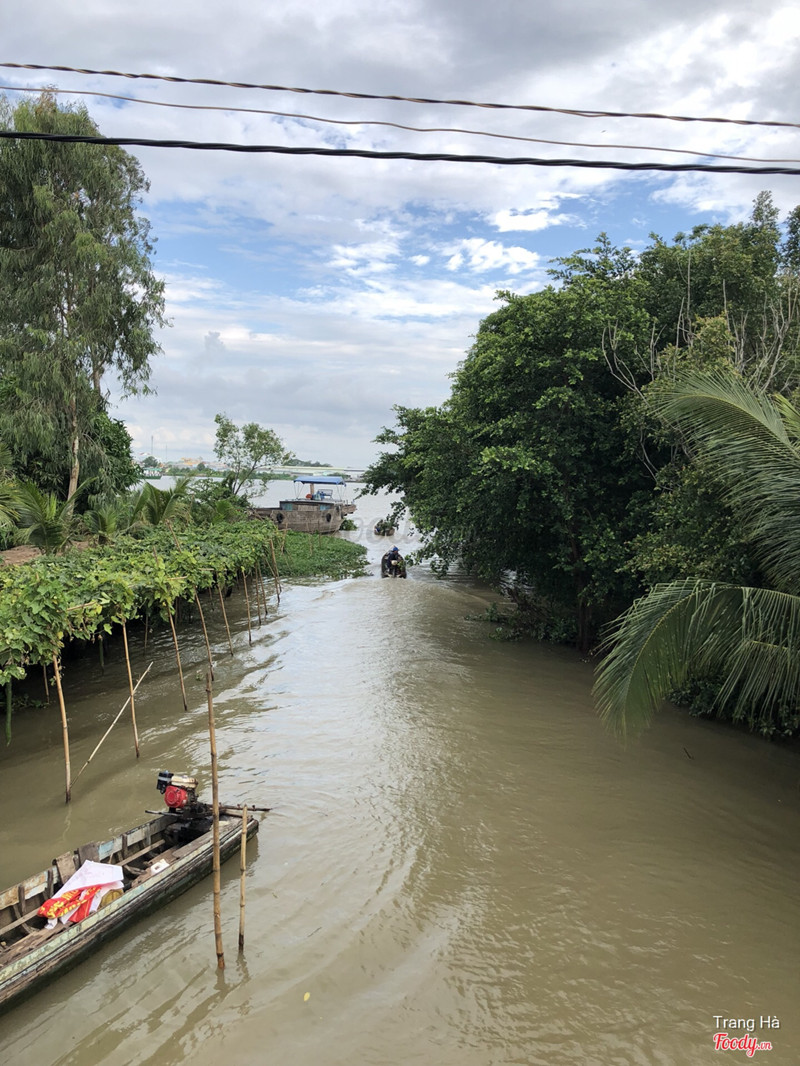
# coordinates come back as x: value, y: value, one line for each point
x: 312, y: 294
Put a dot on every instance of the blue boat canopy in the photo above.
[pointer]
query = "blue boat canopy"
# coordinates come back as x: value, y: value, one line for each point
x: 320, y: 480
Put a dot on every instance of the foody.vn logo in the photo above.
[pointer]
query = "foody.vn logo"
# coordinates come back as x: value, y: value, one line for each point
x: 748, y: 1043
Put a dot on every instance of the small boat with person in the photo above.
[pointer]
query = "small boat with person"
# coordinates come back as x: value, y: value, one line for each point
x: 52, y: 920
x: 393, y: 564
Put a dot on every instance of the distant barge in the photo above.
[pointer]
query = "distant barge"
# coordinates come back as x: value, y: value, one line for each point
x: 321, y: 510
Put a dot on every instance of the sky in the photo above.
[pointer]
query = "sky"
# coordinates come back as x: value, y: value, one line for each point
x: 312, y: 294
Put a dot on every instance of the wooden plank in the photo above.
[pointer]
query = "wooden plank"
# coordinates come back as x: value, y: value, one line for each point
x: 88, y: 853
x: 65, y: 864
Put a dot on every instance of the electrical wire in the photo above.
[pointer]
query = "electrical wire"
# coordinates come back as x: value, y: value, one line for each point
x: 359, y: 153
x: 393, y: 125
x: 576, y: 112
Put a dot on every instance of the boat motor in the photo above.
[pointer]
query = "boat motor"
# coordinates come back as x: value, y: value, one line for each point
x: 179, y: 792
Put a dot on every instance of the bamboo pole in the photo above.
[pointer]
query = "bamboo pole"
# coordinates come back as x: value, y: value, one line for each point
x: 177, y: 657
x: 275, y: 571
x: 225, y: 617
x: 261, y: 587
x: 46, y: 684
x: 205, y: 633
x: 247, y: 603
x: 215, y: 825
x: 242, y: 867
x: 119, y: 715
x: 64, y: 728
x: 101, y: 650
x: 131, y: 689
x: 258, y: 601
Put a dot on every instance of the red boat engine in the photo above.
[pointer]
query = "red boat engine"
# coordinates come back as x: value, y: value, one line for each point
x: 179, y: 792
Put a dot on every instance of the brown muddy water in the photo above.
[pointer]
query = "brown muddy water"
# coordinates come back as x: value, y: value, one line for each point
x: 461, y: 867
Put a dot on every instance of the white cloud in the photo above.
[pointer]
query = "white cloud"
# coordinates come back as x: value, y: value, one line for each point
x: 481, y: 256
x: 510, y: 219
x: 295, y: 282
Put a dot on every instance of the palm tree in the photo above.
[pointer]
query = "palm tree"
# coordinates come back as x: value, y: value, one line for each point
x: 9, y: 495
x: 749, y: 637
x: 155, y: 506
x: 44, y: 520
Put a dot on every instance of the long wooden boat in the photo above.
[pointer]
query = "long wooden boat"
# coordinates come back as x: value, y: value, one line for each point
x: 160, y: 859
x: 319, y: 511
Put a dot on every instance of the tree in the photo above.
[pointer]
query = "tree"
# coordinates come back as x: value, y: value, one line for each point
x: 79, y: 294
x: 244, y: 449
x: 744, y: 639
x: 526, y: 475
x: 157, y: 506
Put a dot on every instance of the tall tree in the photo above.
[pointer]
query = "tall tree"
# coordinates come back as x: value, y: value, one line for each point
x: 79, y: 294
x: 245, y: 448
x: 527, y: 469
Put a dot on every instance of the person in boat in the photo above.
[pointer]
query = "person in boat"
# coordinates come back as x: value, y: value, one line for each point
x: 393, y: 564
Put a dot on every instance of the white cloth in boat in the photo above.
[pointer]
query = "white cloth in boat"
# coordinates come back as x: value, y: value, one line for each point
x: 101, y: 877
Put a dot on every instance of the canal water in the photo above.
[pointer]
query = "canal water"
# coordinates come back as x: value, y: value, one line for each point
x: 461, y: 868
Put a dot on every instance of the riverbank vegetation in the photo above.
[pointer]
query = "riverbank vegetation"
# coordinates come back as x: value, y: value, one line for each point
x: 152, y: 575
x: 561, y: 469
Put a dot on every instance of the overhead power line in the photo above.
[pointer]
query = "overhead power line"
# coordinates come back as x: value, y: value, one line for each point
x: 392, y: 125
x: 361, y: 153
x: 576, y: 112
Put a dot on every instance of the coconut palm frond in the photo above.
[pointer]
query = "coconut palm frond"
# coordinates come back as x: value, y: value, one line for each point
x: 752, y: 443
x: 156, y: 506
x: 762, y: 660
x: 45, y: 521
x: 9, y: 504
x: 646, y: 655
x: 749, y: 636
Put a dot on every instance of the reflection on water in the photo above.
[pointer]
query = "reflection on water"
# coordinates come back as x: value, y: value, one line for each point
x: 460, y: 867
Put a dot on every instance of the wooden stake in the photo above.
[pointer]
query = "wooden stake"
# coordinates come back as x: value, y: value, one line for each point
x: 247, y: 603
x: 275, y: 571
x: 64, y: 728
x: 131, y: 689
x: 119, y: 715
x: 258, y: 601
x: 205, y: 633
x: 100, y: 650
x: 242, y: 866
x: 8, y: 712
x: 46, y: 684
x: 215, y: 825
x: 261, y: 587
x: 178, y: 658
x: 225, y: 616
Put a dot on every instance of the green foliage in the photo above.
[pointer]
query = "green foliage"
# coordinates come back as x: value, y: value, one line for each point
x: 79, y: 595
x: 691, y: 631
x: 44, y: 520
x: 527, y: 469
x: 79, y: 298
x: 554, y: 471
x: 245, y: 448
x: 213, y: 500
x: 160, y: 506
x: 310, y: 555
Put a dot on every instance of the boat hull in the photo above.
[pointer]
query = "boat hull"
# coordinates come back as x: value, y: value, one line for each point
x: 306, y: 516
x: 68, y: 946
